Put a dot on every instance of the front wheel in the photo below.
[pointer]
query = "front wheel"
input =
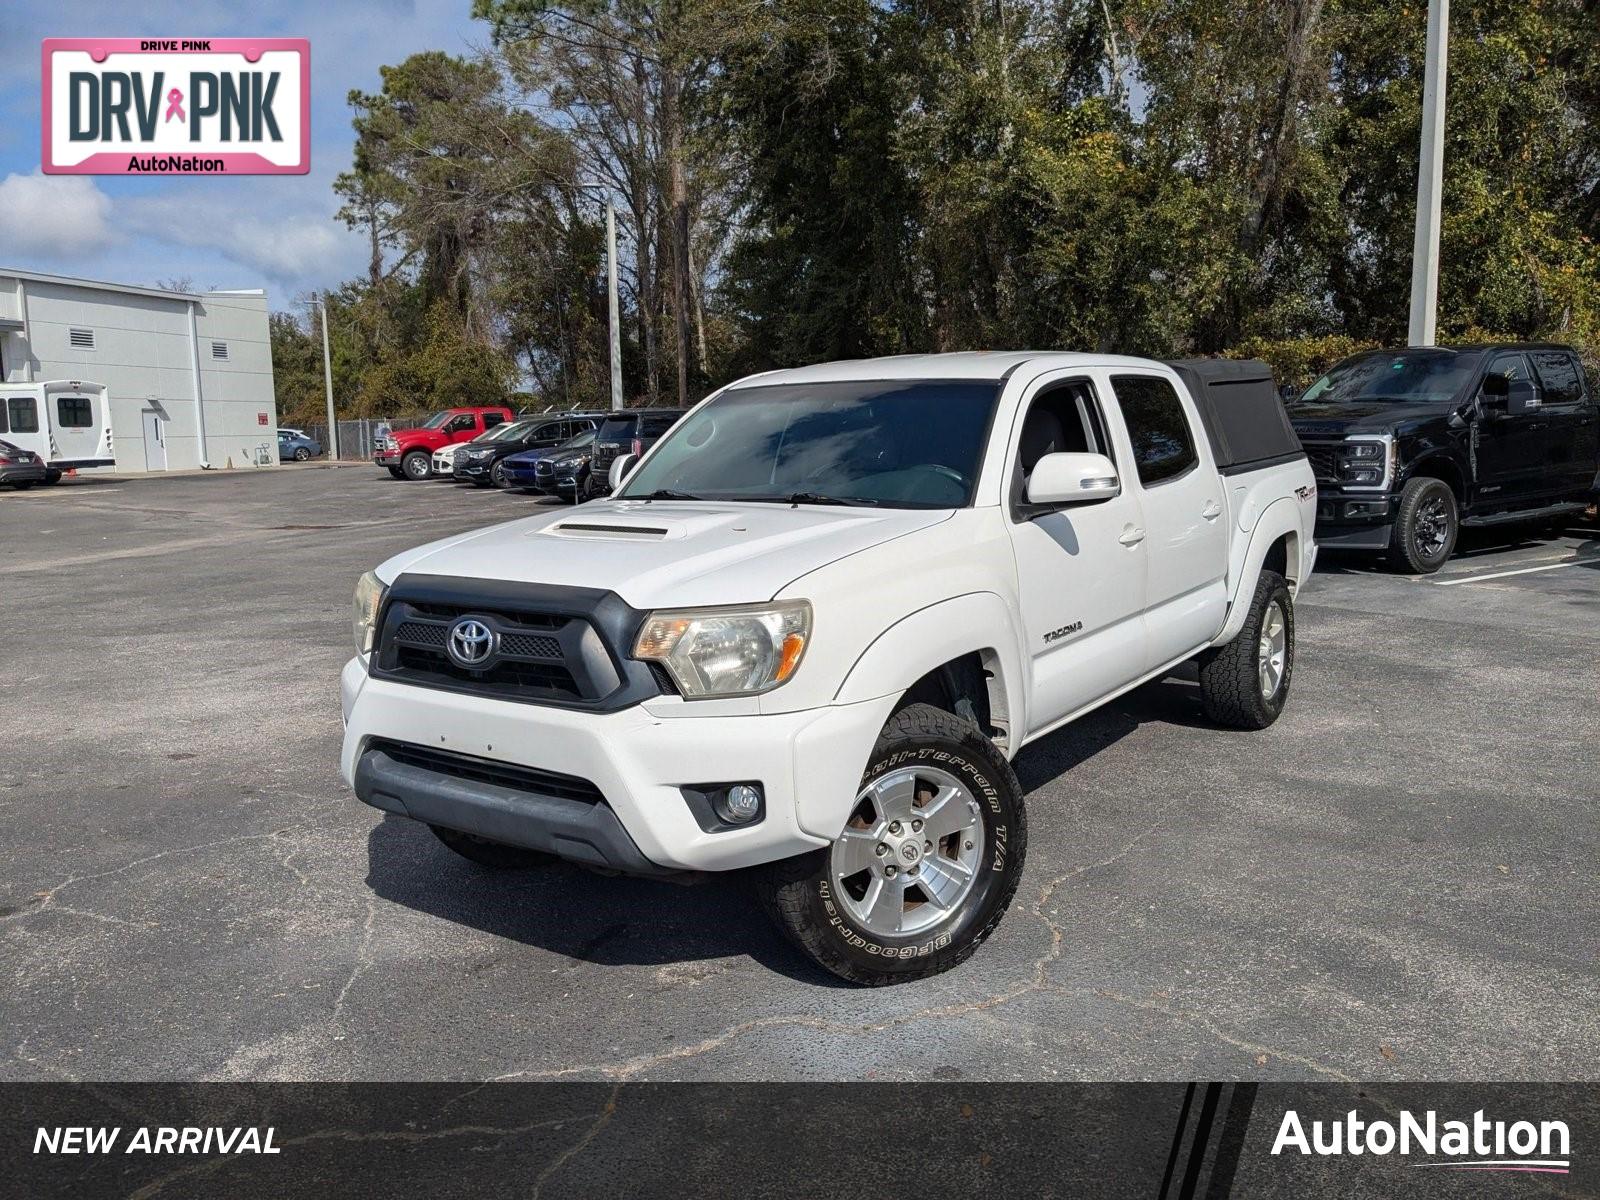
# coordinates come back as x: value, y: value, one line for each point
x: 1425, y: 527
x: 416, y: 465
x: 926, y: 865
x: 497, y: 475
x: 1245, y: 683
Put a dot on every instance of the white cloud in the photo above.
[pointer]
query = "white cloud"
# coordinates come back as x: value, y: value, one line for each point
x: 54, y: 216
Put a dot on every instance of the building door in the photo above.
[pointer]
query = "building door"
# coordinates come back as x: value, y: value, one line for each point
x: 155, y: 441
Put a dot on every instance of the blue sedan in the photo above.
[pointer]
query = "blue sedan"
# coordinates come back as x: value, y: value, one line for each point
x: 297, y: 446
x: 520, y: 470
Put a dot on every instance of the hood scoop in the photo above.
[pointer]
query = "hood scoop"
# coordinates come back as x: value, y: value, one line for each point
x: 609, y: 530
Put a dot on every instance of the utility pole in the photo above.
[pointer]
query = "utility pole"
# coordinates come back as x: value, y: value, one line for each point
x: 327, y: 381
x: 616, y: 306
x: 1430, y: 181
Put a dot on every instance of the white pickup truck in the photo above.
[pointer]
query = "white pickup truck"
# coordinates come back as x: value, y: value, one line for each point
x: 816, y: 622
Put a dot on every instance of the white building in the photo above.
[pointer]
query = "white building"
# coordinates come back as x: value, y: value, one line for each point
x: 189, y: 375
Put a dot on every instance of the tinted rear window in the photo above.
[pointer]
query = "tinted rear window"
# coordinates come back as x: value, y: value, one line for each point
x: 617, y: 429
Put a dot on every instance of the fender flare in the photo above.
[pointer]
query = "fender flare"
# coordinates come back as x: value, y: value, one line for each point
x: 978, y: 622
x: 1281, y: 517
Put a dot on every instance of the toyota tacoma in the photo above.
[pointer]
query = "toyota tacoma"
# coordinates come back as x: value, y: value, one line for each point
x: 819, y: 618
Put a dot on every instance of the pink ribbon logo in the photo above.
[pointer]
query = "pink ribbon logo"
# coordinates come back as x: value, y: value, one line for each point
x: 175, y: 105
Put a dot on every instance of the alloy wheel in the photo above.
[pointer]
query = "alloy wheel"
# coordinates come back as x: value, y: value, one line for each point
x: 910, y: 853
x: 1273, y: 653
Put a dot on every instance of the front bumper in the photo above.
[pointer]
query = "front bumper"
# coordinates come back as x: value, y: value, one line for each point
x: 386, y: 458
x: 809, y: 765
x: 1355, y: 520
x: 473, y: 471
x: 33, y: 472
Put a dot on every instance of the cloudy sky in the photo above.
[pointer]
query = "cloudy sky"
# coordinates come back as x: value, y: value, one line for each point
x: 275, y: 232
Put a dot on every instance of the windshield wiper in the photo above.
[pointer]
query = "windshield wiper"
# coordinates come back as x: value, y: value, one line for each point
x: 798, y: 498
x: 666, y: 494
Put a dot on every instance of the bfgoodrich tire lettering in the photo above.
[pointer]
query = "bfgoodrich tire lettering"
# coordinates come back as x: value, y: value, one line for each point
x: 801, y: 894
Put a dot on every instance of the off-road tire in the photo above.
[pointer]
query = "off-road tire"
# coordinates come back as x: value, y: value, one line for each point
x: 1404, y: 555
x: 1230, y: 675
x: 408, y: 465
x: 796, y: 892
x: 485, y: 853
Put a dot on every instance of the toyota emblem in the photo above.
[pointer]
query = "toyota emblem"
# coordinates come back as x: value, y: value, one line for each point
x: 471, y: 642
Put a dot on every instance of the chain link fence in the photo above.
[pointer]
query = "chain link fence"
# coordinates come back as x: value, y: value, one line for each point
x: 356, y: 437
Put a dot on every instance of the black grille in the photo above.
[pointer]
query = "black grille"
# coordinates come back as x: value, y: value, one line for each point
x: 561, y: 646
x: 530, y: 645
x: 1322, y: 460
x: 423, y: 634
x: 485, y: 770
x: 538, y: 656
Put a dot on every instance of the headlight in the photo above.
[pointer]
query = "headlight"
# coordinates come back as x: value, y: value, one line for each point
x: 1363, y: 463
x: 738, y: 651
x: 369, y: 595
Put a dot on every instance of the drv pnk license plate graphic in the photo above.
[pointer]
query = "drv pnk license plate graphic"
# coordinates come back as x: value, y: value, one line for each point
x: 176, y: 106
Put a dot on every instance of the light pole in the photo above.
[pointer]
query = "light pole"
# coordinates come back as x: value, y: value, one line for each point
x: 613, y: 303
x: 1430, y: 181
x: 327, y: 381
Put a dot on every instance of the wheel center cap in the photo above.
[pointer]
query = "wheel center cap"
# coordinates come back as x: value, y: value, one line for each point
x: 910, y: 852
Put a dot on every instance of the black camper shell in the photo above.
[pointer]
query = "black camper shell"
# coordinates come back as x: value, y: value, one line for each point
x: 1245, y: 420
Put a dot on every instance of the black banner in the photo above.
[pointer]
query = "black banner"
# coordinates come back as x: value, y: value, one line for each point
x: 1166, y: 1141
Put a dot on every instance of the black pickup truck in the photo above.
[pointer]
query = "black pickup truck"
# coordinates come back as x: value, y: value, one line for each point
x: 1410, y: 445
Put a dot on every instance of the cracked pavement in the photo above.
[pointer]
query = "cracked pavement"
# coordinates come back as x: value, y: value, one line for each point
x: 1396, y: 882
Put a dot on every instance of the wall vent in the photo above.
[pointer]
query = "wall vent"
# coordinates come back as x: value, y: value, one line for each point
x: 219, y: 349
x: 81, y: 339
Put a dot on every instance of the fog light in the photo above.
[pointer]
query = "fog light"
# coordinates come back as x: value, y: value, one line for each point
x: 739, y: 804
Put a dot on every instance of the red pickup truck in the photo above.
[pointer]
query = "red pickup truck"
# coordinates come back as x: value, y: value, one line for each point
x: 408, y: 453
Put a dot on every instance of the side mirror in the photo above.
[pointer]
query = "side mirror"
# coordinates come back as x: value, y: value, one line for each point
x: 1288, y: 393
x: 1521, y: 398
x: 1073, y: 479
x: 620, y: 466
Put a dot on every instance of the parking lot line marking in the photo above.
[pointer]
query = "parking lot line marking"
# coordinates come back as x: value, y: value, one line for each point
x: 1571, y: 562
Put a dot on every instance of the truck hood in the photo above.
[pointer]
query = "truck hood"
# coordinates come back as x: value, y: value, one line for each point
x: 666, y: 553
x: 1337, y: 419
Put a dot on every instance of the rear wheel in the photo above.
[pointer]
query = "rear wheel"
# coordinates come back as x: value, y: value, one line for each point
x: 1245, y: 684
x: 416, y: 465
x: 52, y: 477
x: 926, y: 865
x: 22, y: 487
x: 302, y: 454
x: 490, y: 854
x: 1425, y: 528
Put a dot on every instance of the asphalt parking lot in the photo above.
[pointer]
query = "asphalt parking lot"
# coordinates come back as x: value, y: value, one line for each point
x: 1395, y: 882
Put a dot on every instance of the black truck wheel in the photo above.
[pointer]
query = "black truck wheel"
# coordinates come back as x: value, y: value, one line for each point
x: 490, y: 854
x: 1425, y: 529
x: 416, y: 465
x: 927, y: 863
x: 1245, y: 683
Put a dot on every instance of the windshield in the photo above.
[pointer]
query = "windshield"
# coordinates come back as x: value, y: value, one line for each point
x: 436, y: 420
x: 1410, y: 378
x: 577, y: 443
x: 510, y: 431
x: 899, y: 444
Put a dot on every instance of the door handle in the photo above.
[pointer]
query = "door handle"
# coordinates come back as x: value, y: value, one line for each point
x: 1211, y: 511
x: 1131, y: 536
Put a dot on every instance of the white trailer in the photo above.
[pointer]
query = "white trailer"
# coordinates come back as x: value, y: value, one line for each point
x: 66, y: 422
